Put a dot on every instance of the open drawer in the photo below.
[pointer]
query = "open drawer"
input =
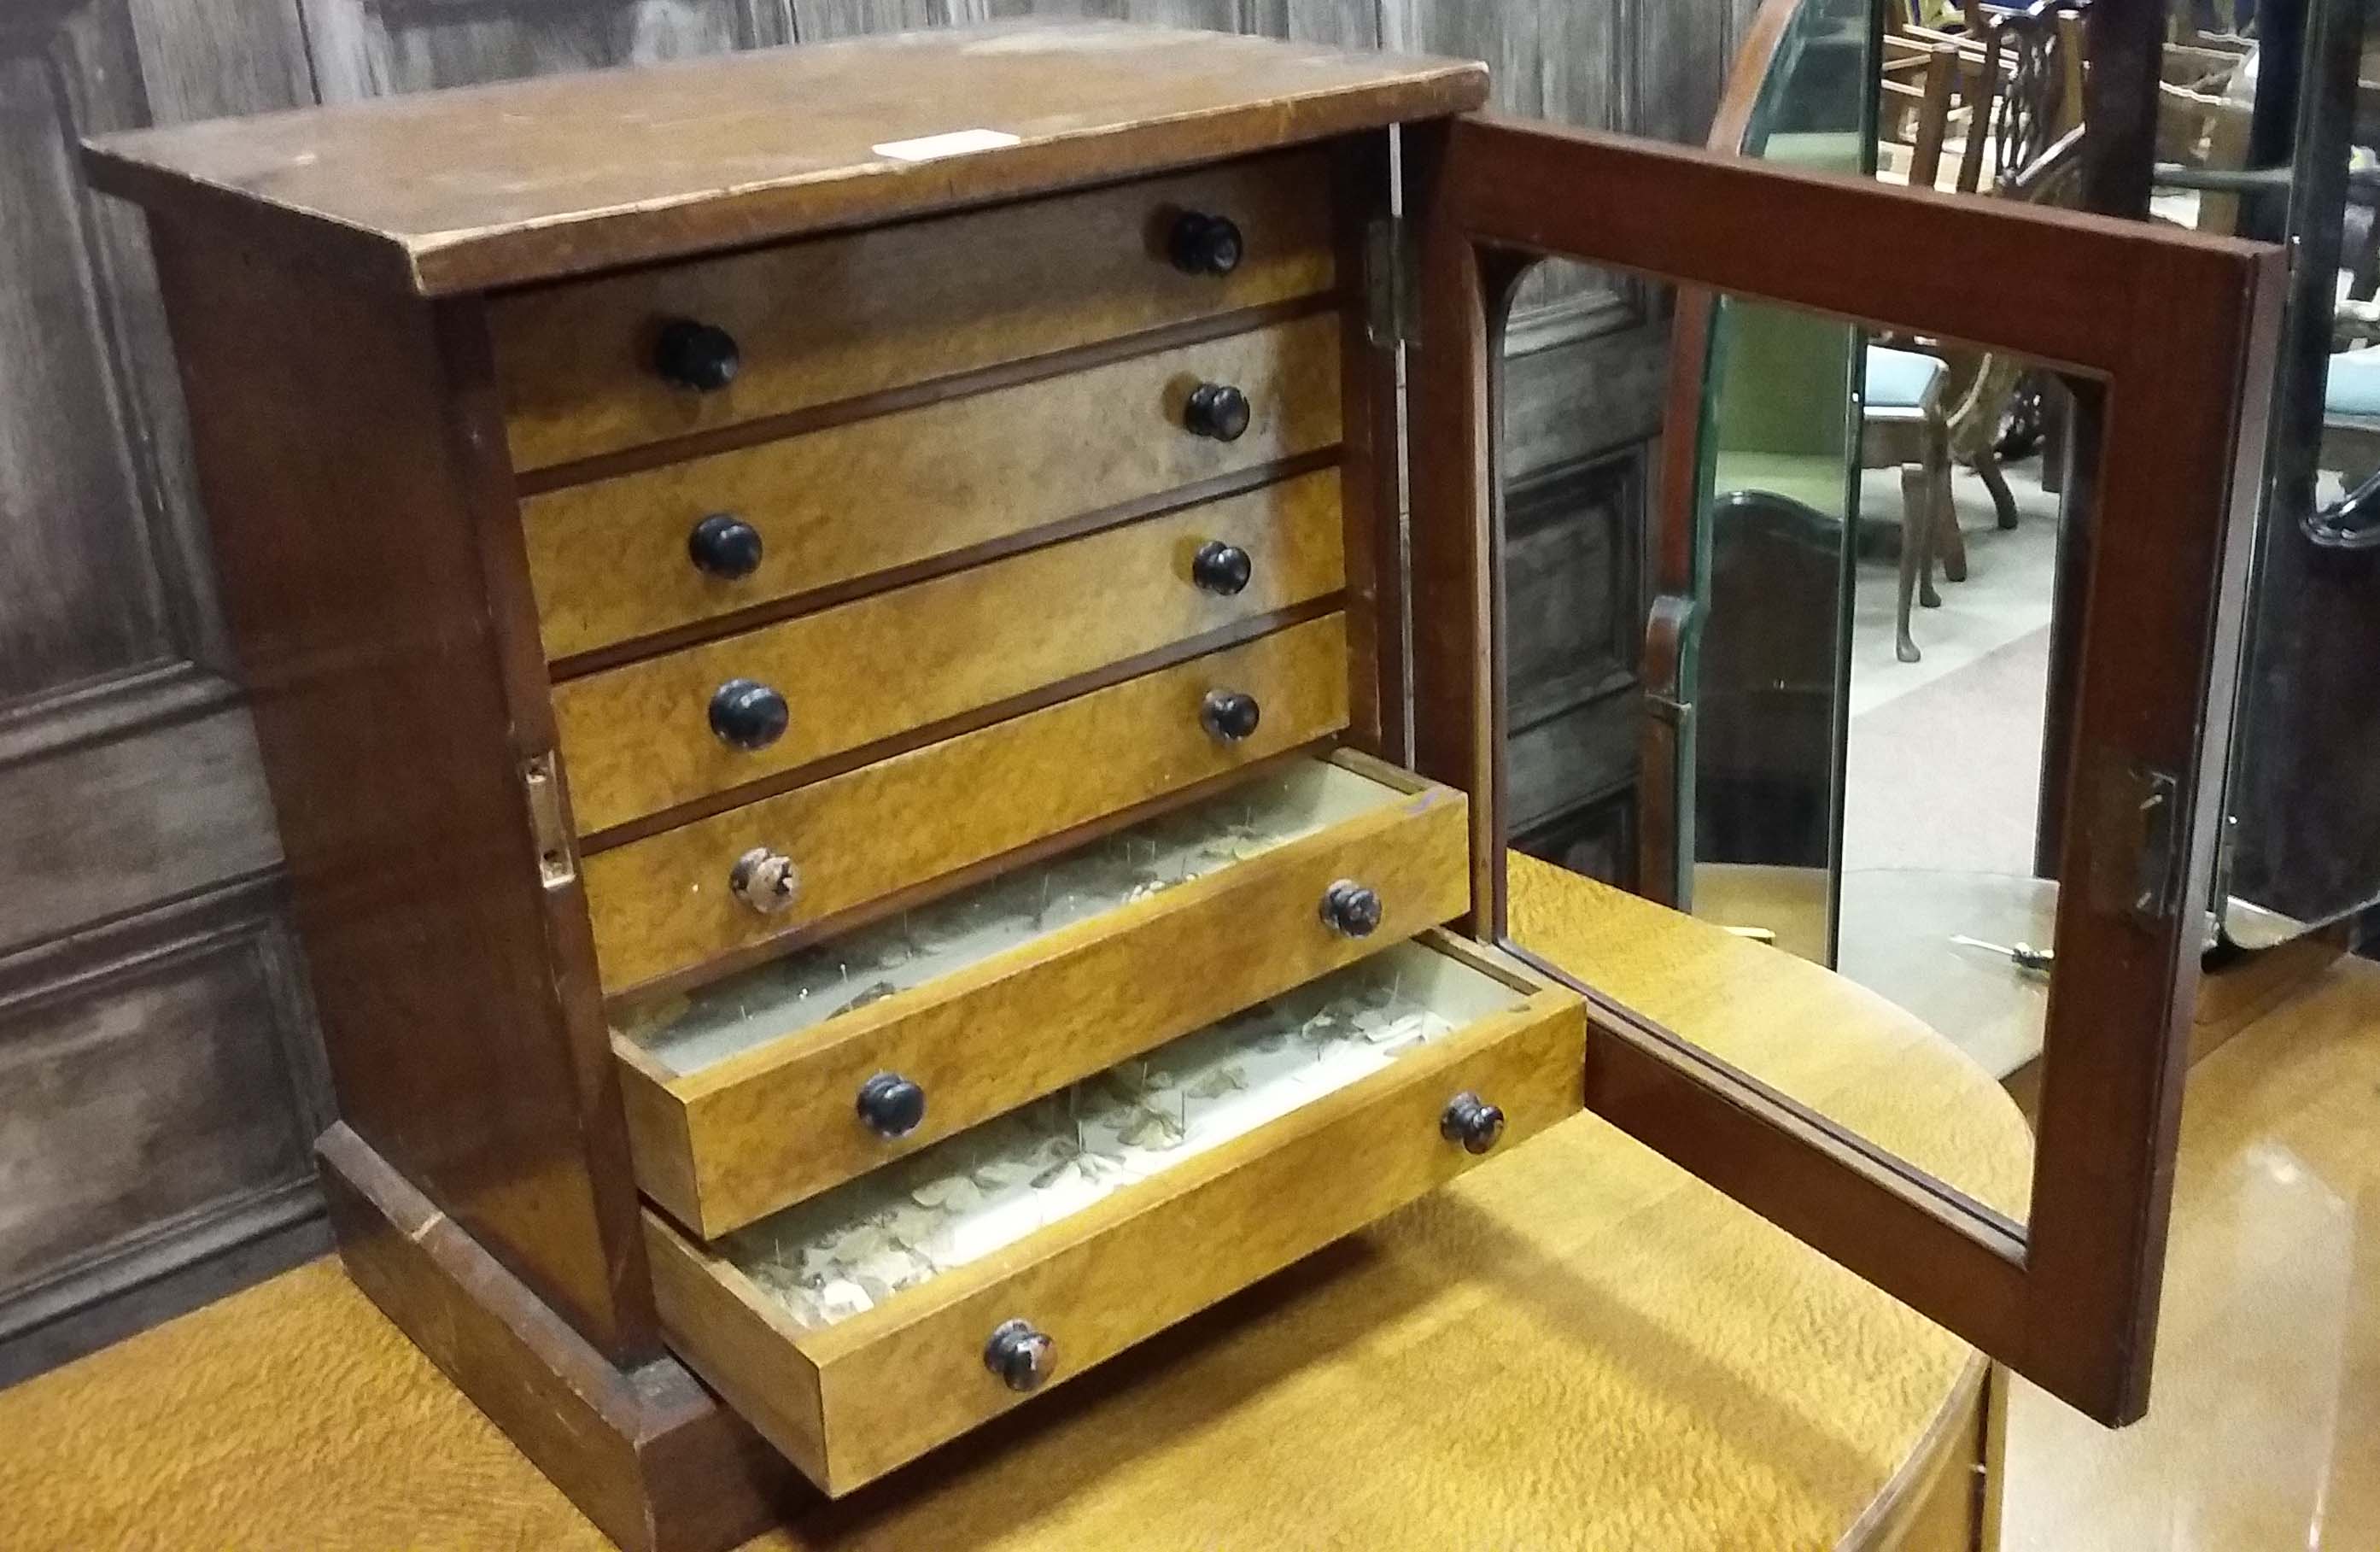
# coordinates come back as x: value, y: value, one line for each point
x: 781, y: 1081
x: 862, y: 1328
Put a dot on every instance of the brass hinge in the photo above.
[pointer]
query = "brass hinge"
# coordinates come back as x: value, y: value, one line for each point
x: 1390, y: 300
x: 555, y: 863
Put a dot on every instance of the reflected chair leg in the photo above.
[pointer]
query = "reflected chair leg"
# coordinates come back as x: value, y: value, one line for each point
x: 1916, y: 519
x: 2056, y: 409
x: 1943, y: 509
x: 1987, y: 464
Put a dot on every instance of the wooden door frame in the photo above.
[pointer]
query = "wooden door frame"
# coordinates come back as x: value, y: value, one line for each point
x: 2068, y: 1297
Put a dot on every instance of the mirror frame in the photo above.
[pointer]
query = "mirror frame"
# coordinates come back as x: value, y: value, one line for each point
x: 2165, y: 325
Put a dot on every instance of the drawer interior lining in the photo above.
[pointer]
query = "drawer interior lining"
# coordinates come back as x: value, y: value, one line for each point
x: 688, y: 1032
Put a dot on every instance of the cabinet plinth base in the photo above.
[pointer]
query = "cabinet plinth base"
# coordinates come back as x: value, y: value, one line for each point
x: 648, y: 1454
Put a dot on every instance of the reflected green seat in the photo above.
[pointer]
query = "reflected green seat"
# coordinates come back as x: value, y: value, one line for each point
x: 1900, y: 379
x: 2353, y: 387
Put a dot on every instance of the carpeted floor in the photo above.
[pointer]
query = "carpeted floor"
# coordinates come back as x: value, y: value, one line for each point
x: 1944, y: 778
x: 1940, y: 784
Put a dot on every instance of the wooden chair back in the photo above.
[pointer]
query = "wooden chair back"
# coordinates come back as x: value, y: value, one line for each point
x: 1917, y: 102
x: 1982, y: 382
x: 2207, y: 131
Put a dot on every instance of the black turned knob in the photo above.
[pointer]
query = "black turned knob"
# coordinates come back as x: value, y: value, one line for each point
x: 698, y: 356
x: 1216, y: 410
x: 1229, y: 714
x: 1204, y: 244
x: 1020, y: 1355
x: 748, y: 714
x: 1221, y: 569
x: 1350, y: 910
x: 891, y: 1104
x: 1472, y: 1121
x: 723, y: 545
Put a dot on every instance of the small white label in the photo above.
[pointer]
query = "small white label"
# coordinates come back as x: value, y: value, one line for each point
x: 958, y: 142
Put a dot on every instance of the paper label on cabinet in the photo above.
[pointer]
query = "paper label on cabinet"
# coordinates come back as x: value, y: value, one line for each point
x: 957, y: 142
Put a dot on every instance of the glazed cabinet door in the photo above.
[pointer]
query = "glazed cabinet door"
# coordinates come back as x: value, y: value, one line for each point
x: 2060, y: 1282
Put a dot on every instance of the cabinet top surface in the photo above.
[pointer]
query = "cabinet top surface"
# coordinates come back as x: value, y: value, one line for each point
x: 480, y: 187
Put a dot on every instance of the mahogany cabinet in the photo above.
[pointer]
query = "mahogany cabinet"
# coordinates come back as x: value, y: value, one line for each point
x: 889, y: 786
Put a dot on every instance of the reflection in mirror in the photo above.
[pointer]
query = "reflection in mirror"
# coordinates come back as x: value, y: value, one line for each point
x: 1915, y: 682
x: 1777, y: 445
x: 1584, y: 353
x: 1861, y: 726
x: 1862, y: 530
x: 2305, y: 844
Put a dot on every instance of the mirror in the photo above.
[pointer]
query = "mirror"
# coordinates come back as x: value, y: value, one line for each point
x: 1865, y: 768
x: 2303, y: 88
x: 1878, y: 534
x: 1776, y: 497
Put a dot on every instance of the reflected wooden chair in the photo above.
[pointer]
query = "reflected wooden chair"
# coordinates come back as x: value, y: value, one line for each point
x: 2202, y: 130
x: 1916, y: 105
x: 1905, y: 424
x: 2020, y: 73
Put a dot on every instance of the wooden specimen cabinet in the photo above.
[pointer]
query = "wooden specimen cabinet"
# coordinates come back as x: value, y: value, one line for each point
x: 889, y: 786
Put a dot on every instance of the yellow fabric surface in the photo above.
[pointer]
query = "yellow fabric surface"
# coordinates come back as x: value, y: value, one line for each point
x: 1577, y: 1345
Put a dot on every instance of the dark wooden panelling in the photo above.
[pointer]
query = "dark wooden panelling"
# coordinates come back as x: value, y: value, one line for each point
x: 1586, y: 386
x: 106, y: 578
x: 1214, y: 16
x: 378, y: 48
x: 80, y: 599
x: 161, y: 1086
x: 117, y: 826
x: 157, y: 1065
x: 1597, y: 840
x: 1681, y: 54
x: 1574, y: 582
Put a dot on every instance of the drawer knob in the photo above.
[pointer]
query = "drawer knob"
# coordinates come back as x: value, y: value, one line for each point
x: 1229, y: 714
x: 724, y: 546
x: 1222, y: 569
x: 1216, y: 410
x: 1020, y: 1355
x: 698, y: 356
x: 1202, y: 244
x: 1472, y: 1121
x: 748, y: 714
x: 1350, y: 910
x: 891, y: 1104
x: 765, y: 880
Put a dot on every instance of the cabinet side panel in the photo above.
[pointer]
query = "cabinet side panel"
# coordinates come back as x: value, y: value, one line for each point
x: 342, y: 485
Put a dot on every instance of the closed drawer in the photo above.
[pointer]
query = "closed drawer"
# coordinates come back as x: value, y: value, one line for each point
x: 857, y: 1329
x: 667, y: 904
x: 616, y: 559
x: 837, y: 317
x: 649, y: 736
x: 773, y: 1085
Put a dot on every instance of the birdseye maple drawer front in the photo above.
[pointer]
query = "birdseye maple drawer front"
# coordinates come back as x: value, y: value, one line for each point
x: 615, y: 559
x: 659, y: 732
x: 687, y: 896
x: 777, y: 1083
x: 593, y: 366
x: 862, y: 1328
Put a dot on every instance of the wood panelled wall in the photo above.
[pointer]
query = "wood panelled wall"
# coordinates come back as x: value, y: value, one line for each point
x: 160, y: 1076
